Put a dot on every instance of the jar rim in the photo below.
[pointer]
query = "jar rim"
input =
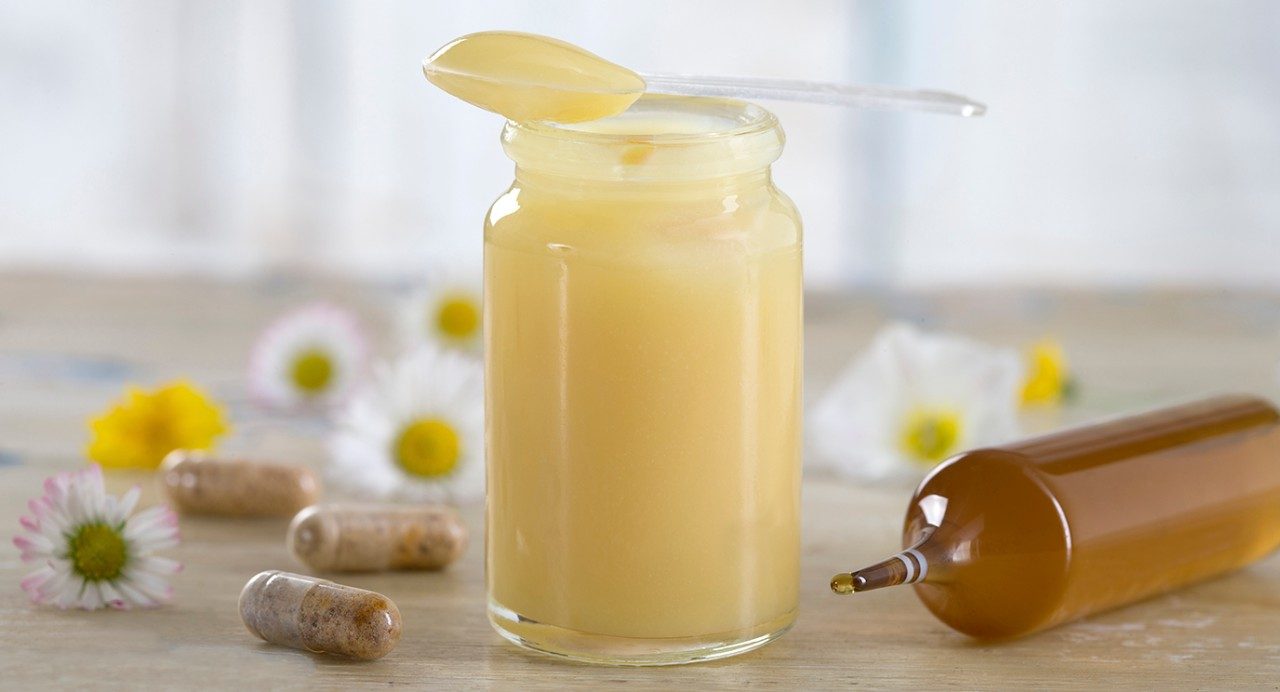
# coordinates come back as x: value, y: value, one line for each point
x: 660, y: 137
x: 741, y: 117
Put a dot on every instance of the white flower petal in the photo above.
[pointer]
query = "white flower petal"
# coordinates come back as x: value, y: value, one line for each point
x: 111, y: 596
x: 856, y: 427
x: 158, y: 565
x: 133, y: 595
x: 62, y: 582
x: 325, y: 328
x: 52, y: 522
x: 32, y: 583
x: 69, y: 596
x: 151, y: 585
x: 152, y: 539
x: 152, y: 527
x: 416, y: 323
x: 33, y: 544
x: 427, y: 383
x: 73, y: 500
x: 127, y: 503
x: 90, y: 597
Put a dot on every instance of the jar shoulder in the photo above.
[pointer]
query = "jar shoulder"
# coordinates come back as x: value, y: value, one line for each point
x: 762, y: 217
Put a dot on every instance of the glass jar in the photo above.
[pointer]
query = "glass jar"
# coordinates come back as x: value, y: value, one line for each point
x: 643, y: 386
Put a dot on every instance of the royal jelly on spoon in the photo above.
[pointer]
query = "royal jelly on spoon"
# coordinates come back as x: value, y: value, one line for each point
x: 527, y: 77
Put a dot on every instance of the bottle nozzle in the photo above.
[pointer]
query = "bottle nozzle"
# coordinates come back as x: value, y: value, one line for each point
x: 907, y: 567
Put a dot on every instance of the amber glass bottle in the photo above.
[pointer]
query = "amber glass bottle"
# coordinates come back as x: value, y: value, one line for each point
x: 1005, y: 541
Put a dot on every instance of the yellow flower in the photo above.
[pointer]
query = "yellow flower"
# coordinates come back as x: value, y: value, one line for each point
x: 1048, y: 380
x: 428, y: 447
x: 930, y: 435
x: 145, y: 426
x: 457, y: 317
x: 449, y: 312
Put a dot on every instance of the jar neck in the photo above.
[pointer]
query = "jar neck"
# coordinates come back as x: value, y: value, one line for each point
x: 671, y: 145
x: 586, y: 186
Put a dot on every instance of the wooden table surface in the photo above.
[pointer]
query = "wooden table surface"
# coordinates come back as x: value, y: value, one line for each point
x: 67, y: 346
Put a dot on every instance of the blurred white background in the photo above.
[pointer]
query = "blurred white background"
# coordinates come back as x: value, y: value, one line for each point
x: 1131, y: 143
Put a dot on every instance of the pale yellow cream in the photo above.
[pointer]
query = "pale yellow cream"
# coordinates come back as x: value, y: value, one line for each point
x: 643, y: 332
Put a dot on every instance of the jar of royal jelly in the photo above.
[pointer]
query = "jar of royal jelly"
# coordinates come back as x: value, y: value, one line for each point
x: 643, y: 357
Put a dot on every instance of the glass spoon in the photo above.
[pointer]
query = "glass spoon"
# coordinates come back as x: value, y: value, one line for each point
x: 528, y: 77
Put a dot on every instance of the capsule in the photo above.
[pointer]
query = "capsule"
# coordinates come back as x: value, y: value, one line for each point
x: 319, y: 616
x: 199, y: 484
x: 373, y: 538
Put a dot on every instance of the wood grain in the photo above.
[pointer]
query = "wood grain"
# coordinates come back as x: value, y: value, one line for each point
x: 68, y: 346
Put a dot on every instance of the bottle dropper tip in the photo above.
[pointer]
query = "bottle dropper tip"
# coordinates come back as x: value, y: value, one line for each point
x: 908, y: 567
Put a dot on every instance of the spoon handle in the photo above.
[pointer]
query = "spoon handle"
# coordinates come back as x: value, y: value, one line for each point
x: 879, y: 97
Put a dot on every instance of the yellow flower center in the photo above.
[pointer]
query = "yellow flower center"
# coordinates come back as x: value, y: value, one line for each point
x: 428, y: 447
x: 97, y: 552
x: 312, y: 371
x: 931, y: 435
x: 1047, y: 377
x: 458, y: 318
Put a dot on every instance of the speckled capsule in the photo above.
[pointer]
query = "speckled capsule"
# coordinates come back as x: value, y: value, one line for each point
x: 200, y: 484
x: 319, y: 616
x: 370, y: 538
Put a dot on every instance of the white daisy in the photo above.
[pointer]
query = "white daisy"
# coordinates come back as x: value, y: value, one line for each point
x: 913, y: 399
x: 313, y: 356
x: 417, y: 433
x: 447, y: 312
x: 93, y: 553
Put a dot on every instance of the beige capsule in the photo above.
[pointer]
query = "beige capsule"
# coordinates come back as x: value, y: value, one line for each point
x: 370, y: 538
x: 319, y: 615
x: 201, y: 484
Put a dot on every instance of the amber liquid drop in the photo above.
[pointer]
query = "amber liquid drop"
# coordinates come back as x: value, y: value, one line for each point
x: 1006, y: 541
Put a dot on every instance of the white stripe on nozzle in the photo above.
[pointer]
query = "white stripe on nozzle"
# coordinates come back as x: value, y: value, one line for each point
x: 911, y: 567
x: 924, y: 564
